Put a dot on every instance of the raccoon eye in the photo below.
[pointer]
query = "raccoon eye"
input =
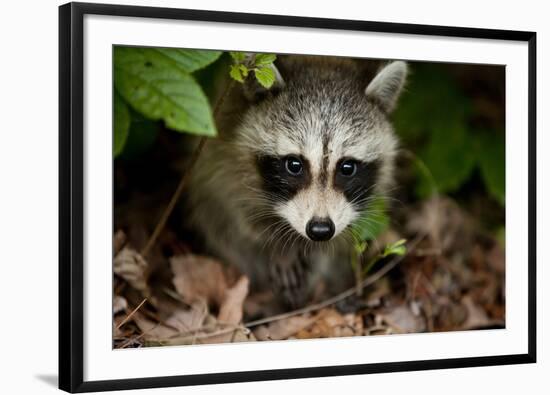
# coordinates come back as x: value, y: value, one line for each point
x: 293, y: 165
x: 348, y: 168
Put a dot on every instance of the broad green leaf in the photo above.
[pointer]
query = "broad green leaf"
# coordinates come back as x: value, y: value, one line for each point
x: 431, y: 101
x: 265, y: 76
x: 190, y: 60
x: 373, y: 221
x: 433, y: 120
x: 238, y: 57
x: 492, y: 162
x: 121, y: 124
x: 264, y: 59
x: 450, y: 156
x: 156, y: 86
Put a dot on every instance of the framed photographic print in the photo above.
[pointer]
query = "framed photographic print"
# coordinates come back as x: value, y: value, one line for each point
x: 257, y: 197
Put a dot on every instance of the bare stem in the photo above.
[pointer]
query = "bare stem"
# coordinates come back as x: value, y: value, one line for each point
x: 125, y: 320
x: 358, y: 273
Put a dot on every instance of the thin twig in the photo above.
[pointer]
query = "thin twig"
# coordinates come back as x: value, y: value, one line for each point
x: 135, y: 339
x: 184, y: 178
x: 125, y: 320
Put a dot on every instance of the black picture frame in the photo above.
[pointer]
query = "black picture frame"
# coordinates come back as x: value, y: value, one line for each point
x: 71, y: 173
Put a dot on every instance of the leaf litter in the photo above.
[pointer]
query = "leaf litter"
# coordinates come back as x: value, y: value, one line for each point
x: 452, y: 280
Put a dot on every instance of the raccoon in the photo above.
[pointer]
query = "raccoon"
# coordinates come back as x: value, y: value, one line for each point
x: 294, y: 168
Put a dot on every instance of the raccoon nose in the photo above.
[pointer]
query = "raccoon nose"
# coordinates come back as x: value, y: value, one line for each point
x: 320, y: 229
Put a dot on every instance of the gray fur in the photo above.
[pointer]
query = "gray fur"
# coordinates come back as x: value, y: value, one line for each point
x: 321, y: 112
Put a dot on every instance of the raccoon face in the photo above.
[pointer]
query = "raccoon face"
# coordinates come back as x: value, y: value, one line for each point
x: 323, y: 147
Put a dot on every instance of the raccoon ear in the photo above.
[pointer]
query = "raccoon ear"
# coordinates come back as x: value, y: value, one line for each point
x: 255, y: 92
x: 388, y: 84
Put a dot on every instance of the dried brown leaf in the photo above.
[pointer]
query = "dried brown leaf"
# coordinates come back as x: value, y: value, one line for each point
x: 231, y: 310
x: 188, y: 320
x: 283, y: 329
x: 231, y: 313
x: 119, y: 239
x: 199, y: 278
x: 445, y: 223
x: 152, y: 330
x: 402, y: 320
x: 476, y: 316
x: 119, y: 304
x: 132, y: 267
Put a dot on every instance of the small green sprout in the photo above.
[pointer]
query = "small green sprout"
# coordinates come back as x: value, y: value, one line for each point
x: 398, y: 248
x: 260, y: 64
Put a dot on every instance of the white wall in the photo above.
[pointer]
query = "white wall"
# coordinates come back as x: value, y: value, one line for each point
x: 28, y: 197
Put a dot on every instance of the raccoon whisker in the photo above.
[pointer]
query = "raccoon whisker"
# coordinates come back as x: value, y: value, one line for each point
x: 276, y: 224
x: 353, y: 234
x: 348, y: 236
x: 388, y: 198
x: 366, y: 207
x: 281, y: 225
x: 368, y: 221
x: 256, y: 193
x: 295, y: 237
x: 360, y: 200
x: 399, y: 202
x: 257, y: 219
x: 370, y: 210
x: 259, y: 198
x: 262, y: 195
x: 283, y: 235
x: 287, y: 236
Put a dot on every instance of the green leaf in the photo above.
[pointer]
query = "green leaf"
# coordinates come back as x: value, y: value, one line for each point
x: 397, y: 248
x: 235, y: 73
x: 360, y: 247
x: 492, y: 162
x: 190, y: 60
x: 265, y: 76
x: 238, y: 72
x: 433, y: 120
x: 158, y: 87
x: 264, y: 59
x: 238, y: 57
x: 244, y: 70
x: 372, y: 222
x: 432, y: 101
x: 450, y: 156
x: 121, y: 124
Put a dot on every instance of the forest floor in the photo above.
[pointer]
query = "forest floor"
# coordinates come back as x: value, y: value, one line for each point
x: 450, y: 279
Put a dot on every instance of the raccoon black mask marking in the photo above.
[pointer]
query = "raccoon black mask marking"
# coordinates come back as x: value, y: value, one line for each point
x: 295, y: 167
